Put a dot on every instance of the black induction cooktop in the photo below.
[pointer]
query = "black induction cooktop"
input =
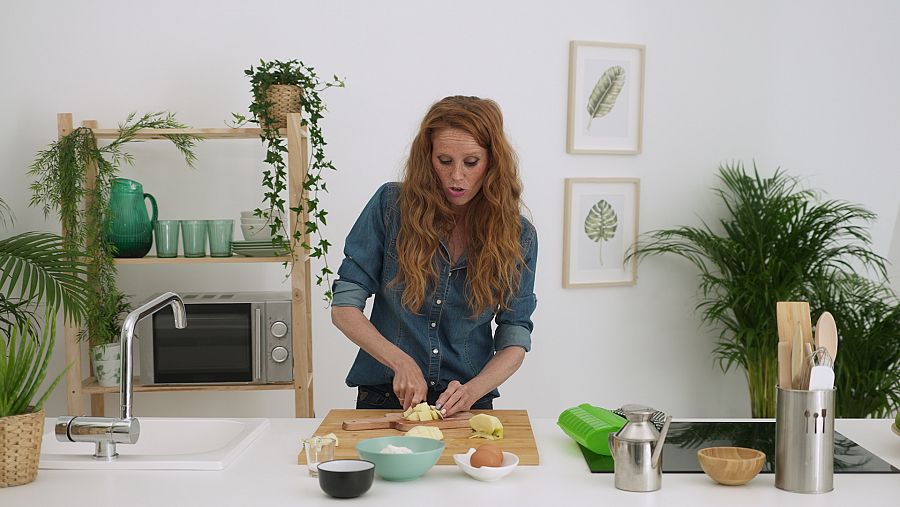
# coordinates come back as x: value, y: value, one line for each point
x: 686, y: 438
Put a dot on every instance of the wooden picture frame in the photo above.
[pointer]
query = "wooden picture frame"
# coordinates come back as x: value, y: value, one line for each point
x: 606, y: 98
x: 600, y: 225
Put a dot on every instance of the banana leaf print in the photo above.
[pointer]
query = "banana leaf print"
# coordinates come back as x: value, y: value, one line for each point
x: 600, y: 224
x: 605, y: 92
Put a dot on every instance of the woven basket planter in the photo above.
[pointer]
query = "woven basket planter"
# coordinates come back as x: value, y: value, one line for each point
x: 285, y: 99
x: 20, y: 447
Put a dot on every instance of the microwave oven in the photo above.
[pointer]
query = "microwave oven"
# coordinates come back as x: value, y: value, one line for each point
x: 231, y: 337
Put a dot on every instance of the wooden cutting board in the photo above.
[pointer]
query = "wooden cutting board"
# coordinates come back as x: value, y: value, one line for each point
x: 518, y: 438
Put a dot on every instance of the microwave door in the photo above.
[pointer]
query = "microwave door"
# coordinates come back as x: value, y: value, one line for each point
x: 216, y: 346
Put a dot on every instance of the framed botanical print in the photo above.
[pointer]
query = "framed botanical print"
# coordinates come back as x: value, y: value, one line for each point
x: 600, y: 225
x: 606, y: 88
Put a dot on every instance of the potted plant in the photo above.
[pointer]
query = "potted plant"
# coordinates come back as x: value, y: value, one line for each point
x: 106, y: 351
x: 777, y: 242
x: 37, y: 270
x: 867, y: 373
x: 279, y: 88
x: 61, y: 185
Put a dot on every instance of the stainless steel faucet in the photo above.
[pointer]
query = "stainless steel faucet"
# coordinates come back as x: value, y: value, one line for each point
x: 106, y: 432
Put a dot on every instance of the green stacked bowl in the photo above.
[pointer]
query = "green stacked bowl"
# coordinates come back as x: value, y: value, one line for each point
x: 401, y: 467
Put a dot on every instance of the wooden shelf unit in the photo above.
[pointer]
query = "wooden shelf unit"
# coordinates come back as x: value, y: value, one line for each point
x: 236, y: 259
x: 301, y: 311
x: 90, y: 386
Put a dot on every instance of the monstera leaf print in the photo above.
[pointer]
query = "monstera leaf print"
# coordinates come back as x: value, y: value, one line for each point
x: 605, y: 92
x: 601, y: 223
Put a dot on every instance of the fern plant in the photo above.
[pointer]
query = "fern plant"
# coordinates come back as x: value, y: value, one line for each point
x: 778, y: 242
x: 60, y: 185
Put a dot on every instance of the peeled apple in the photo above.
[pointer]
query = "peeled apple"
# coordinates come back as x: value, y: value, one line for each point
x: 425, y: 431
x: 422, y: 412
x: 486, y: 426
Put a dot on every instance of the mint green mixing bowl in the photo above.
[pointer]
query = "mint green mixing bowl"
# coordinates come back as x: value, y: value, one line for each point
x: 401, y: 467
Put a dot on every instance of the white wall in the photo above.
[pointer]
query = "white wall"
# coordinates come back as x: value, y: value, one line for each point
x: 810, y: 86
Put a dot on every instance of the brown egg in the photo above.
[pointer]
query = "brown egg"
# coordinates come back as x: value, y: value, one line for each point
x: 485, y: 458
x: 491, y: 448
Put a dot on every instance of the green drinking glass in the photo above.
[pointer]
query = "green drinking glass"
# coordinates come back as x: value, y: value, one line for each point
x: 221, y: 234
x: 193, y: 236
x: 166, y: 237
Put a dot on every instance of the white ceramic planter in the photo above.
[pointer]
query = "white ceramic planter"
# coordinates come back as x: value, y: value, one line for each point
x: 107, y: 361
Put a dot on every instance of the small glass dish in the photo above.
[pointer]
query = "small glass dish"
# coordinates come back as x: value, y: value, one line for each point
x: 487, y: 474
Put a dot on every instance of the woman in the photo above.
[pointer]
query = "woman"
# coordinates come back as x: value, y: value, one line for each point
x: 445, y: 251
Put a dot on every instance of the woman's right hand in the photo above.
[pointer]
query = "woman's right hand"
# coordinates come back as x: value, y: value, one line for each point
x: 409, y: 383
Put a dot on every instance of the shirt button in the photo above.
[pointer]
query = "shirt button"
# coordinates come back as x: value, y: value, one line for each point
x: 433, y: 324
x: 438, y: 301
x: 434, y: 351
x: 432, y: 382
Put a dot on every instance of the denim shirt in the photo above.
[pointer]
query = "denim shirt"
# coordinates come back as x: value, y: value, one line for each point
x: 444, y: 339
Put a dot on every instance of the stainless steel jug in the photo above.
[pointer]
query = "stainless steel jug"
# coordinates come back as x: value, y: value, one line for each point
x: 637, y: 450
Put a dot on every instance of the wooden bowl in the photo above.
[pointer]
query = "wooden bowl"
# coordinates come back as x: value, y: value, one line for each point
x: 732, y: 466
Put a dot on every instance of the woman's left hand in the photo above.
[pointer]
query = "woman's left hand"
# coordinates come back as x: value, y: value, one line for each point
x: 456, y: 398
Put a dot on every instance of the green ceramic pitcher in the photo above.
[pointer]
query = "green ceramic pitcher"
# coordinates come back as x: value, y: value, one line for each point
x: 130, y: 228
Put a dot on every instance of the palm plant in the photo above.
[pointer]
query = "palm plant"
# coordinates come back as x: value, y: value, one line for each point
x: 778, y: 243
x: 867, y: 375
x: 36, y: 268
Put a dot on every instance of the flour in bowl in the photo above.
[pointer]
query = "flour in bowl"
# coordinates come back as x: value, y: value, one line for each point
x: 393, y: 449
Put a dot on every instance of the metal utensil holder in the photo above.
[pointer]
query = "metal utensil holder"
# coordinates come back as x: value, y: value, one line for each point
x: 804, y: 440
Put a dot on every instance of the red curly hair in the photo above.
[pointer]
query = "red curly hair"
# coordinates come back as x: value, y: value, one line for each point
x: 493, y: 222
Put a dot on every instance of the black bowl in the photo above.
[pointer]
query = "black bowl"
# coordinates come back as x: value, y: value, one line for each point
x: 346, y: 478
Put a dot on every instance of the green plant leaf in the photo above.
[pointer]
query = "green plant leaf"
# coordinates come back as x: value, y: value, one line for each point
x: 24, y: 359
x: 606, y: 91
x: 777, y: 241
x: 39, y: 267
x: 601, y: 223
x: 60, y: 185
x: 295, y: 73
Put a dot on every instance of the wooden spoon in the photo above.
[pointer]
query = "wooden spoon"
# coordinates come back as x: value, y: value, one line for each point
x: 827, y: 335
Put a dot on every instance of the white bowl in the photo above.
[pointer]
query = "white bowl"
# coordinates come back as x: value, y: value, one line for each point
x: 254, y: 220
x: 487, y: 474
x: 256, y: 232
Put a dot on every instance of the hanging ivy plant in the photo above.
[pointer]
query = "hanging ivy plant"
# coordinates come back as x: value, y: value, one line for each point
x: 274, y: 179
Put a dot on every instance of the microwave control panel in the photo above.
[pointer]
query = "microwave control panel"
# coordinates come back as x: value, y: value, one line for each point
x: 278, y: 343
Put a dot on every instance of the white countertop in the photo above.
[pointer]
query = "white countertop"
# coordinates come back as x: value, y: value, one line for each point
x: 267, y: 475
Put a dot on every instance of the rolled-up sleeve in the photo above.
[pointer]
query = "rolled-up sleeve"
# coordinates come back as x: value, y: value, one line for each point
x: 360, y: 272
x: 514, y: 324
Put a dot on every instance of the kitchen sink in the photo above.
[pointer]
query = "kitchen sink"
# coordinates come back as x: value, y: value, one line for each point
x: 164, y: 444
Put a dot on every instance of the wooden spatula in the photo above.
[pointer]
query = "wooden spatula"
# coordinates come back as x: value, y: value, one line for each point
x: 788, y: 314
